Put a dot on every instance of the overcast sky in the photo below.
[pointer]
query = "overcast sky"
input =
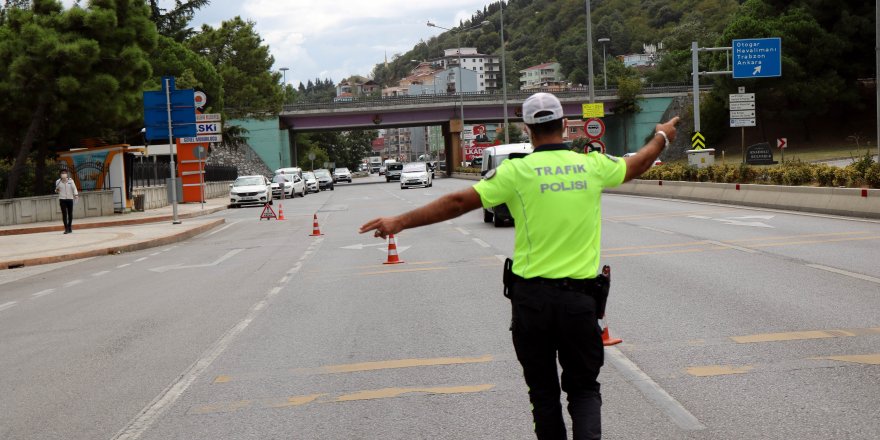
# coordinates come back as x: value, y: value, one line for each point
x: 338, y: 38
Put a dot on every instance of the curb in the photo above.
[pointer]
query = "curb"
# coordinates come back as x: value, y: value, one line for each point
x: 161, y: 241
x: 109, y: 223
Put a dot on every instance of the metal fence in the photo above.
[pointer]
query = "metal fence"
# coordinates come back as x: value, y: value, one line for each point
x: 155, y: 173
x: 487, y: 96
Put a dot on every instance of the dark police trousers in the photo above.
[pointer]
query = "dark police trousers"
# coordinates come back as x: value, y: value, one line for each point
x: 548, y: 320
x: 67, y: 213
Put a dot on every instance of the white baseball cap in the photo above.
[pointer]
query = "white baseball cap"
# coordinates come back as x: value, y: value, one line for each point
x: 541, y: 102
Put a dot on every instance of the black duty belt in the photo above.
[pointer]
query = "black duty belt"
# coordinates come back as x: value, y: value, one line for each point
x: 579, y: 285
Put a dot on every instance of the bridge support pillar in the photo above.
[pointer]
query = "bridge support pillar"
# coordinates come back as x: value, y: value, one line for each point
x: 452, y: 144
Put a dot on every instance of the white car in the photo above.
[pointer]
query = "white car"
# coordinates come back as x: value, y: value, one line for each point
x: 415, y: 174
x: 311, y: 182
x: 342, y: 174
x: 293, y: 186
x: 250, y: 190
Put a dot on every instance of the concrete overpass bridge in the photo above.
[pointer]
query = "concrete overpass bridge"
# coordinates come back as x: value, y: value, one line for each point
x: 445, y: 110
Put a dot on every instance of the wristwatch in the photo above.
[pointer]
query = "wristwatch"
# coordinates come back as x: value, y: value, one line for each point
x: 665, y: 138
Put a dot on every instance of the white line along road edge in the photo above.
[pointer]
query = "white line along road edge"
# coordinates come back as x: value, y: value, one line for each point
x: 164, y: 400
x: 634, y: 375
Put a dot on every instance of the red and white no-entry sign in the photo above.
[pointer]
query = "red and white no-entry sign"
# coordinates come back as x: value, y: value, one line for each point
x: 594, y: 128
x: 782, y: 143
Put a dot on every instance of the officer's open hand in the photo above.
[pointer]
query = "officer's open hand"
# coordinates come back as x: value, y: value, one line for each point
x: 383, y: 226
x: 668, y: 127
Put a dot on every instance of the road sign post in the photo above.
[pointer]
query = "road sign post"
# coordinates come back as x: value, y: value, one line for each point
x: 782, y: 144
x: 742, y: 114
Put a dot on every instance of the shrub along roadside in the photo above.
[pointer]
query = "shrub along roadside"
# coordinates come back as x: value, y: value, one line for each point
x: 863, y: 172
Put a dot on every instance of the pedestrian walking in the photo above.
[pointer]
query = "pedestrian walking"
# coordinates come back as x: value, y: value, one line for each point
x: 554, y: 196
x: 67, y: 195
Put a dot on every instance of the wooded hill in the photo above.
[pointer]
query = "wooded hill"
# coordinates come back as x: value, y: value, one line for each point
x: 827, y: 48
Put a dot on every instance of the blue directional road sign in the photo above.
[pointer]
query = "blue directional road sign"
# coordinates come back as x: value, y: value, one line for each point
x: 183, y: 113
x: 757, y: 58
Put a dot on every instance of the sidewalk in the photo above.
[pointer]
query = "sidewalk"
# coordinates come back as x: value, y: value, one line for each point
x: 43, y: 243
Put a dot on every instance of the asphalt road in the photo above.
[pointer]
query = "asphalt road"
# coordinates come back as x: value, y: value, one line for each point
x: 737, y: 323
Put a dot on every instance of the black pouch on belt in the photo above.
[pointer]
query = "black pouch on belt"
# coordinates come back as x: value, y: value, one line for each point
x: 508, y: 277
x: 603, y: 287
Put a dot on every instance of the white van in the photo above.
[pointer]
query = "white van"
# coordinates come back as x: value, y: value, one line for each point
x: 492, y: 157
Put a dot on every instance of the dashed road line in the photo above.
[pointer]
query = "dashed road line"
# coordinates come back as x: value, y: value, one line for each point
x: 662, y: 231
x: 845, y: 272
x: 72, y: 283
x: 142, y: 422
x: 155, y: 253
x: 140, y: 259
x: 103, y: 272
x: 8, y: 305
x: 463, y: 231
x: 733, y: 246
x: 123, y: 265
x: 223, y: 228
x: 43, y: 293
x: 650, y: 389
x: 482, y: 243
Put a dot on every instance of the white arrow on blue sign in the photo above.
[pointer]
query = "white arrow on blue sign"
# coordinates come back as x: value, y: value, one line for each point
x: 757, y: 58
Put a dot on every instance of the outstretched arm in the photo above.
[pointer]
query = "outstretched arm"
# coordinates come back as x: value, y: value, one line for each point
x: 644, y: 158
x: 444, y: 208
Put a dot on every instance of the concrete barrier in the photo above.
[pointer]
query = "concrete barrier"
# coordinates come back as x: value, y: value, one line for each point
x: 26, y: 210
x: 852, y: 202
x: 157, y: 196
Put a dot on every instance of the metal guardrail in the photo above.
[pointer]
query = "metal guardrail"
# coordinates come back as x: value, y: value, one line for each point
x: 488, y: 96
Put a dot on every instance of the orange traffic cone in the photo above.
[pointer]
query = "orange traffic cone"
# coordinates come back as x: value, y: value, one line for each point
x: 392, y: 251
x: 316, y: 230
x: 280, y: 211
x: 607, y: 340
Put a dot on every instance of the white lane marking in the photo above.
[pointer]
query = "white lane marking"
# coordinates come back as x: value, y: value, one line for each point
x: 481, y: 243
x: 225, y: 257
x: 501, y: 258
x: 463, y: 231
x: 72, y: 283
x: 103, y: 272
x: 662, y: 231
x: 448, y: 222
x: 631, y: 372
x: 731, y: 246
x: 701, y: 217
x: 140, y: 259
x: 223, y: 228
x: 123, y: 265
x: 283, y: 279
x: 142, y: 422
x: 8, y: 305
x: 845, y: 272
x: 168, y: 249
x: 43, y: 293
x: 155, y: 253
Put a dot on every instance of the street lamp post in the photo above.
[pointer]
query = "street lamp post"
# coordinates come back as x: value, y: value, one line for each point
x: 604, y: 61
x: 460, y: 80
x: 284, y: 75
x: 504, y: 78
x: 590, y: 53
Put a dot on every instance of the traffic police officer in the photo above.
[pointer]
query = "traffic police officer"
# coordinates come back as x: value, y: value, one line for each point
x: 554, y: 197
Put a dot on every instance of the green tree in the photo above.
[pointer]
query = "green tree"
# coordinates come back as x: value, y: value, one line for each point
x: 250, y: 88
x: 174, y: 23
x: 81, y: 68
x: 191, y: 70
x: 628, y: 91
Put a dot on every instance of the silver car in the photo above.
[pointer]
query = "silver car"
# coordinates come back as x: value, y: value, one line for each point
x: 416, y: 174
x: 311, y: 182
